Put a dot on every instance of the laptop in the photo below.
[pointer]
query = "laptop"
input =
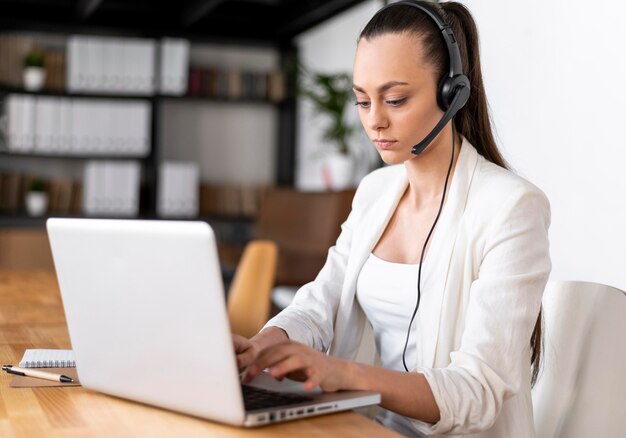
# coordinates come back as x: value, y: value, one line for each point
x: 145, y: 308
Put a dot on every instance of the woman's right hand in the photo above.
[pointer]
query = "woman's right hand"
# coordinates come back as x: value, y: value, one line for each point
x: 246, y: 351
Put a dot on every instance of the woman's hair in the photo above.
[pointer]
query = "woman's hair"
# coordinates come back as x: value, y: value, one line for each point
x: 473, y: 120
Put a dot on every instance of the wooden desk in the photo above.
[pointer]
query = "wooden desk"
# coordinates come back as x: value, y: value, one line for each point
x: 31, y: 316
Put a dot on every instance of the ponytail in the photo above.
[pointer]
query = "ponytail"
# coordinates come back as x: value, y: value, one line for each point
x: 473, y: 121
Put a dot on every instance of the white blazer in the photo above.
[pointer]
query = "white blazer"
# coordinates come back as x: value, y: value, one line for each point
x: 484, y: 276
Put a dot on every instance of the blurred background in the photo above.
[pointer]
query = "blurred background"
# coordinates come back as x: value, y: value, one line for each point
x: 199, y: 110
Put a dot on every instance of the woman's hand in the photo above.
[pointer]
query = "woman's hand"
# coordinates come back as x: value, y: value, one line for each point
x: 245, y: 350
x: 299, y: 362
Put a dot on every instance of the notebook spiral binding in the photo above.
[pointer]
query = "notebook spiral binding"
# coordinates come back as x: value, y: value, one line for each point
x: 48, y: 364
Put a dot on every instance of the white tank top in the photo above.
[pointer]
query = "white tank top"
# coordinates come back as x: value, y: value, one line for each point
x: 387, y: 293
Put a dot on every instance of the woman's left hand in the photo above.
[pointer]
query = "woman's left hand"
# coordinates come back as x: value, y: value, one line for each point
x: 299, y: 362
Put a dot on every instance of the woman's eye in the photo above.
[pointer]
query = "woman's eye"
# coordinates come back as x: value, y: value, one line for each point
x: 395, y: 102
x: 363, y: 104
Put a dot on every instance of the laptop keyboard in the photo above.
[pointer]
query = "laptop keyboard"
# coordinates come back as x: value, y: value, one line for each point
x: 256, y: 398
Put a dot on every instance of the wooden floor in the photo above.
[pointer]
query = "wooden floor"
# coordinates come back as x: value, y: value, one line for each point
x: 31, y: 316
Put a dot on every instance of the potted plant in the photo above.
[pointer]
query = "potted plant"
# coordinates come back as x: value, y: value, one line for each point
x: 330, y: 94
x: 34, y: 75
x: 36, y: 198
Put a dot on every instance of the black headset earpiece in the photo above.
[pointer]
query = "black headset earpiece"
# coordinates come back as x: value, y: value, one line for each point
x: 448, y: 88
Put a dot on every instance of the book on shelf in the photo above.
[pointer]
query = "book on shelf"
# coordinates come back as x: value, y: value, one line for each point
x: 10, y: 188
x: 13, y: 50
x: 234, y: 83
x: 174, y: 62
x: 178, y: 189
x: 76, y: 203
x: 54, y: 62
x: 111, y: 65
x: 235, y: 88
x: 60, y: 196
x: 194, y: 82
x: 231, y: 200
x: 111, y: 188
x: 276, y: 87
x: 18, y: 123
x: 60, y: 125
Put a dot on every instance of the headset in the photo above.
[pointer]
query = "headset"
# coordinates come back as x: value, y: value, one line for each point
x: 452, y: 94
x: 454, y: 88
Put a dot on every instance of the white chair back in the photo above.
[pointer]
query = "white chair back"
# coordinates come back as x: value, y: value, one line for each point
x: 581, y: 391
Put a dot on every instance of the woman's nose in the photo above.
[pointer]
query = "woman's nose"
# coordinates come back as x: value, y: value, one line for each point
x: 377, y: 119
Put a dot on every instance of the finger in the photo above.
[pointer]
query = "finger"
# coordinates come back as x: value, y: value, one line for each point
x: 276, y: 353
x: 267, y: 358
x: 289, y: 365
x: 241, y: 344
x: 245, y: 358
x: 312, y: 382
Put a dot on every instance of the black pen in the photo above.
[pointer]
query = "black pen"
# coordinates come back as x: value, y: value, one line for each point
x: 29, y: 372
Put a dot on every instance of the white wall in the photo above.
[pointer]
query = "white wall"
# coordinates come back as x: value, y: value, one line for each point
x: 553, y: 72
x: 329, y: 48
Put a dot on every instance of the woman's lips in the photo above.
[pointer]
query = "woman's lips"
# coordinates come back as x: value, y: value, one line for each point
x: 385, y: 144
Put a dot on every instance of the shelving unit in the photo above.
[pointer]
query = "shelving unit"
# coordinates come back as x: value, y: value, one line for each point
x: 150, y: 162
x: 254, y: 23
x: 257, y: 24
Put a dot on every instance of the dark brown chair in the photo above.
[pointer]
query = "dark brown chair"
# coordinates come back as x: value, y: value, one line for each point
x: 304, y: 225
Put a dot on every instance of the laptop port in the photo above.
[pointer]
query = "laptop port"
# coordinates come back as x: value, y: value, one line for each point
x: 283, y: 414
x: 308, y: 411
x: 324, y: 408
x: 272, y: 416
x: 300, y: 412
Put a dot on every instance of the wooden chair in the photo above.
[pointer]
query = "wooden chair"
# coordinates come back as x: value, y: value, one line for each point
x: 581, y: 390
x: 249, y: 296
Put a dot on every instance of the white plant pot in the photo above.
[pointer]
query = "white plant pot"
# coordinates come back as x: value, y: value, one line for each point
x: 34, y: 78
x: 36, y: 203
x: 338, y: 171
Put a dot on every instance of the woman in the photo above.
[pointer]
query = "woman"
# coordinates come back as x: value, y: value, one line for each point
x: 478, y: 279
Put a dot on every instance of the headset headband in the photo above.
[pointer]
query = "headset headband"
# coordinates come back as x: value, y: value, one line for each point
x: 448, y: 36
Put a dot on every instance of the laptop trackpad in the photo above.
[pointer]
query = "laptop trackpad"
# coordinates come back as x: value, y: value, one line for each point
x: 265, y: 381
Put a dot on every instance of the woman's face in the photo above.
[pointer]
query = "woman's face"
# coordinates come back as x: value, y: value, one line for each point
x: 396, y: 94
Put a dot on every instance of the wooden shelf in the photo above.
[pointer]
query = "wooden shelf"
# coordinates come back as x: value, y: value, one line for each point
x: 22, y: 220
x: 68, y: 156
x: 4, y: 89
x: 218, y: 99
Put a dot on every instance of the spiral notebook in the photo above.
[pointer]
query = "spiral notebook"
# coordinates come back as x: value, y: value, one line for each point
x: 41, y: 358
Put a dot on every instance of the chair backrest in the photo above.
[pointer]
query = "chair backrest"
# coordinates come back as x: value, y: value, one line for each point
x: 581, y: 391
x: 249, y: 295
x: 304, y: 225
